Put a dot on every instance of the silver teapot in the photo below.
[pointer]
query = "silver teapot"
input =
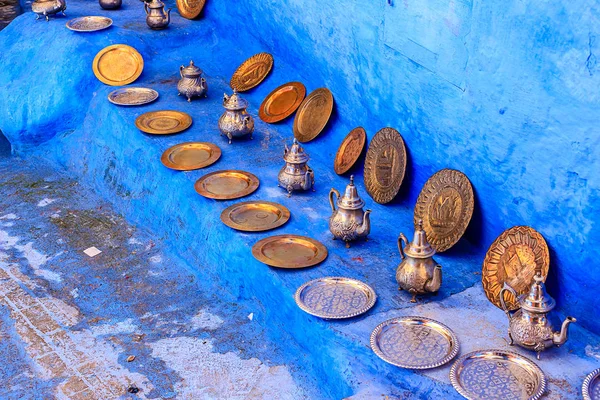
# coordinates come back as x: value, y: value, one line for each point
x: 296, y: 174
x: 418, y: 273
x: 528, y: 326
x: 348, y: 222
x: 48, y: 7
x: 191, y: 84
x: 235, y: 121
x: 110, y: 4
x: 156, y: 16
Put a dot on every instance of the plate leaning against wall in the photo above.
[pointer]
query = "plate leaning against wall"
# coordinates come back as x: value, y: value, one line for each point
x: 313, y: 114
x: 282, y: 102
x: 252, y: 72
x: 190, y: 9
x: 118, y: 65
x: 135, y: 96
x: 350, y: 150
x: 89, y: 24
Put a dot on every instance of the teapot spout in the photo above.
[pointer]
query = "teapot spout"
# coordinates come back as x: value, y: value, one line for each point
x: 436, y: 281
x: 308, y: 180
x: 559, y: 338
x: 168, y: 16
x: 365, y: 228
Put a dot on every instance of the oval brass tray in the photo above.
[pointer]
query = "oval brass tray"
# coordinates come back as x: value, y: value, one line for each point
x: 252, y: 72
x: 118, y: 65
x: 164, y: 122
x: 255, y: 216
x: 226, y: 185
x: 515, y: 257
x: 135, y: 96
x: 335, y: 297
x: 350, y: 150
x: 289, y: 251
x: 497, y: 374
x: 190, y: 9
x: 414, y: 342
x: 313, y: 114
x: 190, y: 155
x: 282, y: 102
x: 591, y: 386
x: 89, y: 24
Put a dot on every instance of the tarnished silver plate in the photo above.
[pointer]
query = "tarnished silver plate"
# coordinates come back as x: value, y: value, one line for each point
x: 414, y: 342
x: 89, y: 24
x: 135, y: 96
x: 497, y: 374
x: 335, y: 297
x: 591, y: 386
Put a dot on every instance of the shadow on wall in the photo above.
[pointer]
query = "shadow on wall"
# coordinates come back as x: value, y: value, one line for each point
x: 4, y: 146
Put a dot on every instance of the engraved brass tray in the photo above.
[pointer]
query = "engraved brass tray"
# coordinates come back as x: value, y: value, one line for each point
x: 190, y: 9
x: 118, y: 65
x: 190, y: 155
x: 591, y: 386
x: 350, y: 150
x: 255, y: 216
x: 414, y: 342
x: 497, y: 374
x: 163, y: 122
x: 282, y: 102
x: 335, y: 297
x: 135, y: 96
x: 89, y: 24
x: 226, y: 185
x: 385, y: 165
x: 252, y: 72
x: 515, y: 257
x: 313, y: 115
x: 289, y: 251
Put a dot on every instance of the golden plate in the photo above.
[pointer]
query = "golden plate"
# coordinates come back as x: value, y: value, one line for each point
x: 282, y: 102
x: 350, y: 150
x: 515, y: 257
x: 163, y: 122
x: 89, y: 24
x: 252, y: 72
x: 255, y: 216
x: 226, y: 185
x: 190, y: 9
x: 313, y: 115
x: 289, y: 251
x: 118, y: 65
x: 190, y: 155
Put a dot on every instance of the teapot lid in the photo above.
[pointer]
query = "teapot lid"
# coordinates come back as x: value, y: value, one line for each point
x: 351, y: 200
x: 154, y: 3
x: 537, y: 300
x: 419, y: 247
x: 191, y: 70
x: 234, y: 102
x: 295, y: 154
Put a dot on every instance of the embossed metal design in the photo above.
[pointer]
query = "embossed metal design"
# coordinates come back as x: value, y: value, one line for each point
x: 132, y: 96
x: 255, y: 216
x: 313, y: 114
x: 190, y: 9
x: 47, y: 8
x: 156, y: 16
x: 89, y: 24
x: 289, y: 251
x: 191, y: 84
x: 190, y: 156
x: 414, y: 342
x: 227, y: 184
x: 348, y: 222
x: 235, y: 122
x: 252, y: 72
x: 118, y: 65
x: 497, y: 374
x: 515, y: 257
x: 335, y: 297
x: 164, y: 122
x: 445, y: 205
x: 385, y: 165
x: 282, y: 102
x: 295, y: 174
x: 591, y: 386
x: 350, y: 150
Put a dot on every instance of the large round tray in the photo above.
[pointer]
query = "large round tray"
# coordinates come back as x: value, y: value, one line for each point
x: 164, y: 122
x: 313, y: 114
x: 118, y: 65
x: 190, y: 155
x: 282, y: 102
x: 255, y: 216
x: 591, y: 386
x: 135, y: 96
x: 227, y: 185
x: 289, y: 251
x: 89, y: 24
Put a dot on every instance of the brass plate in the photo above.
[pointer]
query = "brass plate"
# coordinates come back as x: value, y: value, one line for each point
x: 282, y: 102
x: 591, y: 386
x: 252, y: 72
x: 132, y: 96
x: 190, y: 155
x: 289, y: 251
x: 190, y: 9
x: 313, y: 115
x: 255, y: 216
x: 515, y: 257
x: 335, y: 297
x: 163, y: 122
x: 414, y: 342
x: 445, y: 205
x: 385, y: 165
x: 350, y: 150
x: 89, y: 24
x: 226, y: 185
x: 497, y: 374
x: 118, y: 65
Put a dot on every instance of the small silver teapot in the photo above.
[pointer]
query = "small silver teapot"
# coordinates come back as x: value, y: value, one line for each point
x: 348, y: 222
x: 156, y: 16
x: 528, y: 326
x: 110, y: 4
x: 418, y: 273
x: 191, y: 84
x: 296, y: 174
x: 48, y: 7
x: 235, y: 121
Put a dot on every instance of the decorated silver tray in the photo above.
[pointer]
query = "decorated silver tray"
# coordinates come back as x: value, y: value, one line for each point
x: 335, y: 297
x: 89, y: 24
x: 497, y: 374
x: 135, y: 96
x: 591, y: 386
x: 414, y: 342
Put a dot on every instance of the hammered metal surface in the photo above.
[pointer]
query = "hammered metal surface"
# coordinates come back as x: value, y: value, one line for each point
x: 226, y: 185
x: 282, y: 102
x: 252, y: 72
x: 289, y: 251
x: 118, y: 65
x: 190, y: 9
x: 190, y: 156
x: 591, y: 386
x: 313, y: 114
x: 350, y: 150
x: 164, y: 122
x: 89, y: 24
x: 255, y: 216
x: 132, y: 96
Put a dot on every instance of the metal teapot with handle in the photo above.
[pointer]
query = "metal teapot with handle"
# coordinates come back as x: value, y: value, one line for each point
x: 48, y: 7
x: 156, y: 16
x: 348, y: 222
x: 296, y: 174
x: 235, y: 121
x: 192, y: 84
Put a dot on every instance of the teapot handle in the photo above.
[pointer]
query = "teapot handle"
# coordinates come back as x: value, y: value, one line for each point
x: 402, y: 241
x: 506, y: 287
x: 146, y: 7
x: 333, y: 192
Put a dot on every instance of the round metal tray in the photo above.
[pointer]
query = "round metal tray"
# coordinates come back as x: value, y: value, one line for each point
x: 591, y: 386
x: 289, y: 251
x: 255, y: 216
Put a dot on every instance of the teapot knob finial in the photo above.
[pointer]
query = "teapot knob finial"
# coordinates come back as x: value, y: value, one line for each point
x: 538, y: 278
x: 352, y: 179
x: 420, y: 223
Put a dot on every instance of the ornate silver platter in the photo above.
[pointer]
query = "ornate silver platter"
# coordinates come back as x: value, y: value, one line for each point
x: 335, y: 297
x: 591, y: 386
x: 497, y: 374
x: 414, y: 342
x: 135, y: 96
x: 89, y: 24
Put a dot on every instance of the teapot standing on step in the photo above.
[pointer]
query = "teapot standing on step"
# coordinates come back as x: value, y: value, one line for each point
x: 48, y: 7
x: 235, y: 121
x: 295, y: 174
x: 156, y: 17
x: 191, y: 84
x: 348, y: 222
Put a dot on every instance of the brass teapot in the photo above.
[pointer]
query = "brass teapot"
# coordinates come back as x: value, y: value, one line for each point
x: 235, y: 121
x: 192, y: 84
x: 348, y: 222
x: 418, y: 273
x: 48, y: 7
x: 528, y: 326
x: 296, y: 174
x: 156, y: 17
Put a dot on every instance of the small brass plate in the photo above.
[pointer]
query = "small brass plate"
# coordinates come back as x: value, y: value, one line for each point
x: 89, y: 24
x: 132, y: 96
x: 118, y: 65
x: 385, y: 165
x: 255, y: 216
x: 515, y: 257
x: 350, y: 150
x: 282, y: 102
x: 226, y: 185
x: 190, y: 9
x: 163, y: 122
x: 191, y: 155
x: 445, y: 205
x: 591, y: 386
x: 289, y: 251
x: 252, y: 72
x: 313, y: 115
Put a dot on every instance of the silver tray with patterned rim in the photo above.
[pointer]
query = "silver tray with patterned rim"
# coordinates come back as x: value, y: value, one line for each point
x: 135, y: 96
x: 591, y: 386
x: 414, y: 342
x: 89, y: 24
x: 497, y: 374
x: 335, y: 297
